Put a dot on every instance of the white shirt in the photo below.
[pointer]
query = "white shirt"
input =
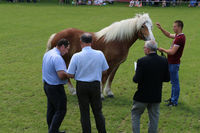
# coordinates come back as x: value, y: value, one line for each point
x: 87, y: 65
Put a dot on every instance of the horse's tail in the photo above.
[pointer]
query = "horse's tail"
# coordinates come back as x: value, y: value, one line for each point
x: 49, y: 42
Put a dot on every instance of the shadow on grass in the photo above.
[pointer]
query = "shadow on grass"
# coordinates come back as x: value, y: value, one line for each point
x: 116, y: 101
x: 184, y: 107
x: 185, y: 113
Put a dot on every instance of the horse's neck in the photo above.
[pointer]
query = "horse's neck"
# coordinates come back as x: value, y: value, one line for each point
x: 132, y: 41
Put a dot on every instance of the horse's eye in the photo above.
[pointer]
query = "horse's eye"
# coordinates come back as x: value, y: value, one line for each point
x: 142, y: 26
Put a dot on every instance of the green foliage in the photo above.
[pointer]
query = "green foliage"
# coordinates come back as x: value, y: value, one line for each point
x: 24, y: 31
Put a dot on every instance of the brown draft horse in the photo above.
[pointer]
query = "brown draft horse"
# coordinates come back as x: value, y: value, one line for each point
x: 114, y: 41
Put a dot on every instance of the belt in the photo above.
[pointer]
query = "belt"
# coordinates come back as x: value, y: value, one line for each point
x: 96, y: 81
x: 53, y: 85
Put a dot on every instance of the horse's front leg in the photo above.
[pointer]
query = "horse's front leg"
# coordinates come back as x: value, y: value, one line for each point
x: 104, y: 79
x: 102, y: 96
x: 71, y: 88
x: 107, y: 89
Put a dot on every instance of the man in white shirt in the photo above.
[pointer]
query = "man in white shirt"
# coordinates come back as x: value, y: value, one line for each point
x: 87, y: 67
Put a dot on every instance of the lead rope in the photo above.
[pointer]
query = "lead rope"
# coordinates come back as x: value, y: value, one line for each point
x: 162, y: 54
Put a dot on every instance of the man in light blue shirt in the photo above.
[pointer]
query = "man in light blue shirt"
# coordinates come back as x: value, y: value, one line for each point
x: 52, y: 64
x: 87, y: 67
x: 54, y: 77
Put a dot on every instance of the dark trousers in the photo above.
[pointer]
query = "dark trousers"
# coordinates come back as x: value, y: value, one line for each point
x: 67, y: 1
x: 89, y: 94
x: 56, y: 106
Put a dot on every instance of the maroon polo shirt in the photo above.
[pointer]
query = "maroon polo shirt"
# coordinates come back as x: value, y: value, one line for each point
x: 179, y: 40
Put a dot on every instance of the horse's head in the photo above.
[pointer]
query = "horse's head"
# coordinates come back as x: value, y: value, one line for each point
x: 145, y: 33
x: 145, y: 28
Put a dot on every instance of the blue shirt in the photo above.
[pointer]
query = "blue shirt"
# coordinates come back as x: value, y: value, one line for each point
x: 53, y: 62
x: 87, y: 65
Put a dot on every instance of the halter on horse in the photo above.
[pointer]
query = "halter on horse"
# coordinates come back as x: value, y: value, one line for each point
x: 114, y: 41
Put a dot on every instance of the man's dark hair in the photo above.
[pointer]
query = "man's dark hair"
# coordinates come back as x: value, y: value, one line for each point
x: 86, y: 38
x: 64, y: 42
x: 180, y: 23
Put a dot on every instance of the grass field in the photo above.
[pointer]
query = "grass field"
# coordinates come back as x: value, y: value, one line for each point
x: 24, y: 31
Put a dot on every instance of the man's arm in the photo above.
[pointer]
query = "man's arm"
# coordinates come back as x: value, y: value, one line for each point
x: 166, y: 33
x: 171, y: 51
x: 60, y: 68
x: 72, y: 67
x: 63, y: 75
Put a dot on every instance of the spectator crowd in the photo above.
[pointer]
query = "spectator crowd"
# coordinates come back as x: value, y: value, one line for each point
x: 132, y: 3
x: 28, y: 1
x: 73, y: 2
x: 91, y: 2
x: 163, y: 3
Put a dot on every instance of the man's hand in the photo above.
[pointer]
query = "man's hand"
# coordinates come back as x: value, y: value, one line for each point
x: 161, y: 49
x: 158, y: 25
x: 171, y: 51
x: 70, y: 75
x: 63, y: 75
x: 166, y: 33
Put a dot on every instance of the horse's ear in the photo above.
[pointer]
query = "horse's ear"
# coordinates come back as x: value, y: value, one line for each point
x: 143, y: 25
x: 138, y: 15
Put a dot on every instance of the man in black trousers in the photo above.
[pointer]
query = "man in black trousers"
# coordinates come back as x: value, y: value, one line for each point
x: 87, y: 66
x: 152, y: 70
x: 54, y: 77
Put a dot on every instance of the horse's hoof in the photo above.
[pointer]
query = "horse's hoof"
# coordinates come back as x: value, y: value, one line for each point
x: 74, y: 93
x: 110, y: 96
x: 102, y: 98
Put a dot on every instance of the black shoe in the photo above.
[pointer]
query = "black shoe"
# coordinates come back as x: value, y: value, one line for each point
x: 168, y: 100
x: 61, y: 132
x: 171, y: 104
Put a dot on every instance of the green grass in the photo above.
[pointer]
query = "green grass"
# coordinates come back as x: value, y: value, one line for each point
x: 24, y: 31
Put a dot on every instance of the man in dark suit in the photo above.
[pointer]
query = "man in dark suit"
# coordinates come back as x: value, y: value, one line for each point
x: 152, y: 70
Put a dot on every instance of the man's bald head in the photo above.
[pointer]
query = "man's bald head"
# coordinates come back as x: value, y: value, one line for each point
x: 86, y: 38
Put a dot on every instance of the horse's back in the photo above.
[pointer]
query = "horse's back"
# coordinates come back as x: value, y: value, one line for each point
x: 71, y: 34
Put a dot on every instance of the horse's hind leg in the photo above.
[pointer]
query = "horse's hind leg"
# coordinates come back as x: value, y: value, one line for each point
x: 107, y: 89
x: 71, y: 88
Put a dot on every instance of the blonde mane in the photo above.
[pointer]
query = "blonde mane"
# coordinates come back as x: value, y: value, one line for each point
x: 123, y: 29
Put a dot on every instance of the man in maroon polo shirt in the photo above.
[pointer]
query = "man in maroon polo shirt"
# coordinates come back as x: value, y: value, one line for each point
x: 174, y: 54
